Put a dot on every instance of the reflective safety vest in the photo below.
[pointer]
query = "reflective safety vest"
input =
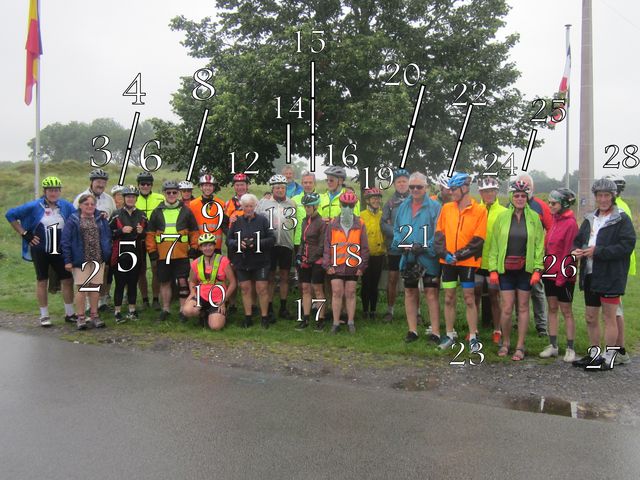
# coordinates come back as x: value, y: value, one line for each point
x: 210, y: 279
x: 342, y: 242
x: 170, y: 223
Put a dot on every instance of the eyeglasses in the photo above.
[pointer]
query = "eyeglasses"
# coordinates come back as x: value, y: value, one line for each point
x: 172, y: 192
x: 145, y: 184
x: 416, y: 187
x: 519, y: 195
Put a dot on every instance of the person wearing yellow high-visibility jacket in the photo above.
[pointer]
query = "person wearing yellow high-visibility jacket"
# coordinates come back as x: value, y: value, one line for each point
x: 329, y: 207
x: 623, y: 358
x: 371, y: 217
x: 172, y: 238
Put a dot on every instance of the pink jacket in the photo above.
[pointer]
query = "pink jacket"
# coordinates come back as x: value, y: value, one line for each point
x: 558, y: 244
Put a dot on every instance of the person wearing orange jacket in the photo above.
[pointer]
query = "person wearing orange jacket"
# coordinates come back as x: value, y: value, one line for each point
x: 209, y: 210
x: 172, y: 238
x: 458, y: 241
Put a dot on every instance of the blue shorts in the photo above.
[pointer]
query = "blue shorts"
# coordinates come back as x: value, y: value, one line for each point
x: 515, y: 280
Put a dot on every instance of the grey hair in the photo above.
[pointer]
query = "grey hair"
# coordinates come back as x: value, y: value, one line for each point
x: 247, y: 198
x: 419, y: 176
x: 308, y: 174
x: 287, y: 167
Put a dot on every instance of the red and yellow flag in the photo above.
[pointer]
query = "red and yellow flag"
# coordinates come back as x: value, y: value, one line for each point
x: 34, y: 49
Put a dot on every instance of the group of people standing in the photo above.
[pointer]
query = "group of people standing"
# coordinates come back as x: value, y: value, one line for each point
x: 526, y: 250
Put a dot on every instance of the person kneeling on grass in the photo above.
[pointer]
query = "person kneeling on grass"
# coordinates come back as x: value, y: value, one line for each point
x: 210, y: 272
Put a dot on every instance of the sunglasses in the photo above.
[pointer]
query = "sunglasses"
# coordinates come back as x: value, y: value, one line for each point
x: 519, y: 195
x: 145, y: 184
x: 172, y: 192
x: 416, y: 187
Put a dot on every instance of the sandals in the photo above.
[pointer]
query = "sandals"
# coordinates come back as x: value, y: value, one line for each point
x: 518, y: 355
x: 503, y: 351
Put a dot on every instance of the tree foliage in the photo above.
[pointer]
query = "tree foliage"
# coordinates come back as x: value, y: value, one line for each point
x: 252, y: 50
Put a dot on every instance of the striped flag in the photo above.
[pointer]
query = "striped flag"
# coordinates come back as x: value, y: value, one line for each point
x: 34, y: 50
x: 563, y: 91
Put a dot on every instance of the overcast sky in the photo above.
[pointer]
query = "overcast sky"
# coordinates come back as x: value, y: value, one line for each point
x: 94, y: 49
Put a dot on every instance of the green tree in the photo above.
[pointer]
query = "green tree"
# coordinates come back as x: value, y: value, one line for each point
x: 259, y: 50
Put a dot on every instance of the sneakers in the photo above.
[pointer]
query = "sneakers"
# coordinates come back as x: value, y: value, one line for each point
x: 388, y: 317
x: 45, y: 321
x: 246, y: 323
x: 474, y: 345
x: 119, y: 318
x: 132, y: 316
x: 549, y: 351
x: 622, y: 359
x: 71, y: 318
x: 445, y: 342
x: 81, y: 324
x: 582, y: 362
x: 433, y: 338
x: 352, y: 328
x: 569, y: 355
x: 335, y: 329
x: 496, y: 337
x: 319, y: 326
x: 411, y: 337
x: 264, y: 322
x: 302, y: 325
x: 599, y: 363
x: 97, y: 323
x: 164, y: 316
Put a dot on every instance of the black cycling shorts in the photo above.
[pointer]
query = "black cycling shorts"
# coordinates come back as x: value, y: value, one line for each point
x: 393, y: 262
x: 451, y: 274
x: 428, y: 281
x: 313, y: 274
x: 257, y: 274
x: 564, y: 293
x: 281, y: 257
x: 594, y: 299
x: 42, y: 261
x: 178, y: 268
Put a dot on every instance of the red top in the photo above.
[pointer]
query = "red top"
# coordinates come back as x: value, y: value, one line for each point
x: 558, y: 244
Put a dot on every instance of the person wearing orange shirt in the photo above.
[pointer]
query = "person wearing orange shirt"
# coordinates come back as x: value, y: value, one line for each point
x: 458, y: 241
x: 209, y: 210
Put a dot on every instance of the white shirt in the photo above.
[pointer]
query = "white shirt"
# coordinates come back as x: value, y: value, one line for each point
x: 598, y: 223
x: 104, y: 202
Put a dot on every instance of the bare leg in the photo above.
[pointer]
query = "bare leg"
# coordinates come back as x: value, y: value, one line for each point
x: 350, y: 299
x: 337, y: 289
x: 433, y: 304
x: 523, y: 316
x: 411, y: 306
x: 449, y: 308
x: 508, y: 299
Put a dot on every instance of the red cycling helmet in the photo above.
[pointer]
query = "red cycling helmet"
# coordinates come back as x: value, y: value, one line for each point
x: 372, y: 192
x: 240, y: 177
x: 348, y: 198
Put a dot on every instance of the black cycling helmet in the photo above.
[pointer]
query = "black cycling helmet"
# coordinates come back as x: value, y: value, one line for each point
x: 564, y: 196
x: 144, y: 177
x: 169, y: 185
x: 98, y: 174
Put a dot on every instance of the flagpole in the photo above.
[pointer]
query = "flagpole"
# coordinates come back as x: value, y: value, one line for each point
x: 586, y: 112
x: 567, y: 182
x: 36, y: 155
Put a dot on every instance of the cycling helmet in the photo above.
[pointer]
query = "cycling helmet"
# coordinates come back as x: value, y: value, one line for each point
x: 169, y: 185
x: 443, y: 179
x: 488, y: 183
x: 240, y: 177
x: 51, y: 182
x: 605, y: 185
x: 520, y: 186
x: 619, y: 181
x: 116, y: 189
x: 564, y: 196
x: 348, y: 198
x: 278, y: 179
x: 372, y: 192
x: 459, y: 179
x: 206, y: 238
x: 144, y: 177
x: 130, y: 190
x: 98, y: 174
x: 310, y: 199
x: 336, y: 171
x: 401, y: 172
x: 185, y: 185
x: 207, y: 178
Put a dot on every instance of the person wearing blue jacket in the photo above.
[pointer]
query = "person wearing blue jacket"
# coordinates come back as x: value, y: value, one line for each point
x: 86, y: 247
x: 413, y: 230
x: 40, y: 223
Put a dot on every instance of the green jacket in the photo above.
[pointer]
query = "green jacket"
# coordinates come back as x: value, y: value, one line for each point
x: 494, y: 211
x: 625, y: 208
x: 535, y: 241
x: 300, y: 215
x: 331, y: 208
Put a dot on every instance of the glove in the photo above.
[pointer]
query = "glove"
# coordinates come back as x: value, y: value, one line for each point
x: 28, y: 236
x: 535, y: 278
x: 416, y: 248
x: 450, y: 259
x: 193, y: 253
x: 494, y: 279
x: 154, y: 256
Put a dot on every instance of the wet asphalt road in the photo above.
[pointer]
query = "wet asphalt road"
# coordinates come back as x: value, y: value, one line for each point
x: 72, y: 411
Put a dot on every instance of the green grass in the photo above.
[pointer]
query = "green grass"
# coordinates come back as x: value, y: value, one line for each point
x: 372, y: 339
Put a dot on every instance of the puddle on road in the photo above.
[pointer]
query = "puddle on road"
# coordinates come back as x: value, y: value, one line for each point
x: 416, y: 384
x: 564, y: 408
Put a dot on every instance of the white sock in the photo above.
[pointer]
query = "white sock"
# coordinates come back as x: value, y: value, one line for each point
x: 68, y: 309
x: 44, y: 312
x: 451, y: 334
x: 472, y: 336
